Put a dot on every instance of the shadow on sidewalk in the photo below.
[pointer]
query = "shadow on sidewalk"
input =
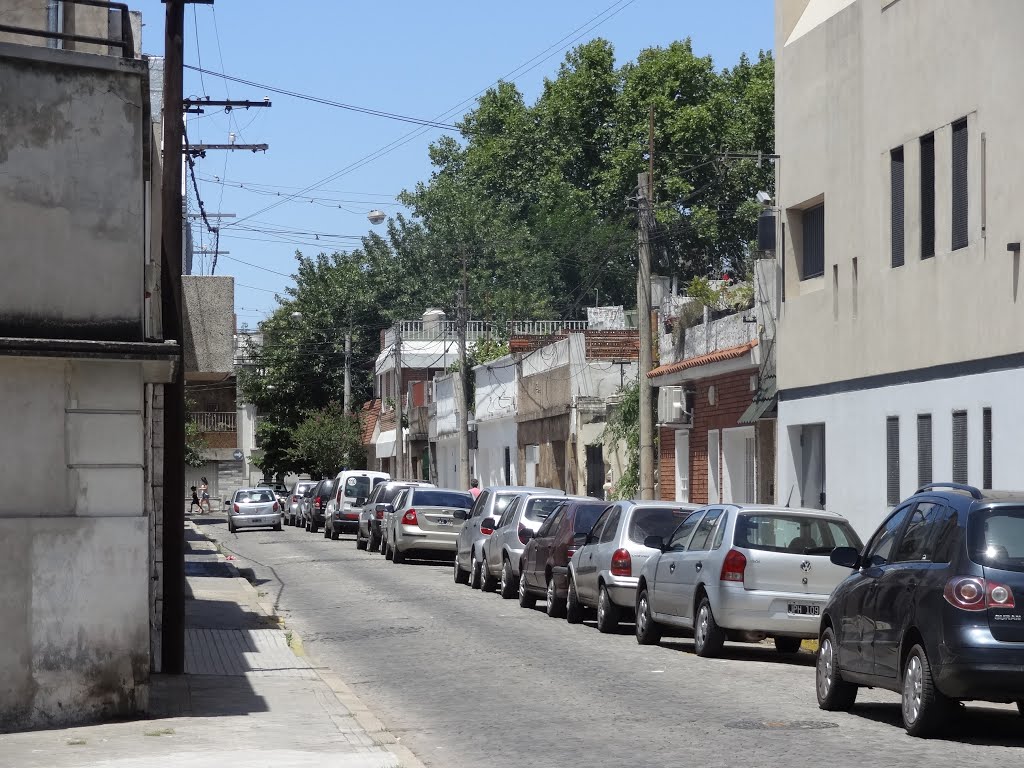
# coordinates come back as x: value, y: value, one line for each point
x: 203, y: 696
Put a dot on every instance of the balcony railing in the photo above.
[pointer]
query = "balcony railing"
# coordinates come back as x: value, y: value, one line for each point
x: 443, y: 330
x: 545, y: 327
x: 215, y: 421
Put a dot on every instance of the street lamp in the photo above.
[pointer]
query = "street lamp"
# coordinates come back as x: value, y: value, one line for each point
x: 376, y: 216
x: 296, y: 315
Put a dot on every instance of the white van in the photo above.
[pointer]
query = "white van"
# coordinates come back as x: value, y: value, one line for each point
x: 352, y: 489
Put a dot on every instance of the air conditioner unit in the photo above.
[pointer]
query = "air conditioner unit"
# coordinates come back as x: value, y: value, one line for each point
x: 675, y: 406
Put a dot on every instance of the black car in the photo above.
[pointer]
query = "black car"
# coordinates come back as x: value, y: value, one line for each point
x: 321, y: 494
x: 931, y: 608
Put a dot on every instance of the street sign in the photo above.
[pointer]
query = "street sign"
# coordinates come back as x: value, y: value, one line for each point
x: 238, y: 455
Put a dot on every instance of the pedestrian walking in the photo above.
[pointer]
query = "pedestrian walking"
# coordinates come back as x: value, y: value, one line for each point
x: 204, y: 494
x: 474, y: 488
x: 195, y: 502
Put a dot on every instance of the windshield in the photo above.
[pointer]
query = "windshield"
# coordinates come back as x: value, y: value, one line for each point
x: 429, y: 498
x: 586, y: 516
x: 795, y: 534
x: 995, y: 538
x: 255, y: 497
x: 540, y: 509
x: 356, y: 487
x: 655, y: 521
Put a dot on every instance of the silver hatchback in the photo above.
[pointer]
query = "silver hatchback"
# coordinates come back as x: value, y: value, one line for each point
x: 604, y: 571
x: 253, y: 508
x: 742, y: 573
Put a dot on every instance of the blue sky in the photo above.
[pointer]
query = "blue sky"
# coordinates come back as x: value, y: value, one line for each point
x: 411, y: 58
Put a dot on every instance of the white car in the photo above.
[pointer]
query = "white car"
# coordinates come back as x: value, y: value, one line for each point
x: 742, y: 573
x: 352, y: 487
x: 253, y: 508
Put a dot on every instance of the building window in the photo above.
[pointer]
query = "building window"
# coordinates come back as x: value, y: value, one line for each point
x: 986, y: 448
x: 892, y: 461
x: 960, y: 184
x: 924, y: 449
x: 896, y: 205
x: 813, y: 224
x: 928, y: 196
x: 959, y: 446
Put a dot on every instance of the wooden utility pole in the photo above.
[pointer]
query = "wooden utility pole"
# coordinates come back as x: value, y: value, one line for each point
x: 173, y: 517
x: 645, y: 188
x: 461, y: 395
x: 399, y: 406
x: 348, y: 371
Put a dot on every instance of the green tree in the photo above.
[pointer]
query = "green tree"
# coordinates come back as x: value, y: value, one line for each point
x: 623, y: 425
x: 326, y: 441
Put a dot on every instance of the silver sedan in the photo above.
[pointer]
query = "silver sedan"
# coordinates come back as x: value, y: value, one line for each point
x: 253, y: 508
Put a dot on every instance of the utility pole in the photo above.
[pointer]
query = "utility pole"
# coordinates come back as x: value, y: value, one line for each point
x: 645, y: 187
x: 399, y: 405
x: 462, y: 400
x: 173, y: 513
x: 348, y: 371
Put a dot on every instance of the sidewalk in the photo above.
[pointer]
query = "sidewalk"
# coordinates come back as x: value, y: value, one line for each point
x: 246, y: 698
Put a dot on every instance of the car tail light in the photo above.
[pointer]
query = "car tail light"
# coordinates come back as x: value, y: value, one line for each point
x: 970, y: 593
x: 380, y: 514
x: 237, y: 510
x: 570, y: 551
x: 295, y: 499
x: 486, y: 531
x: 409, y: 518
x: 734, y: 566
x: 622, y: 563
x: 317, y: 502
x: 276, y: 508
x: 523, y: 529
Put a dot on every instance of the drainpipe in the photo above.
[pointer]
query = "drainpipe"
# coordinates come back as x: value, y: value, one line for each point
x: 54, y: 22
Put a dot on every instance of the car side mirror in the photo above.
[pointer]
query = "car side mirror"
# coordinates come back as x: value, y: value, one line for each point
x: 580, y: 539
x: 389, y: 508
x: 360, y: 501
x: 847, y: 557
x: 487, y: 526
x: 380, y: 507
x: 655, y: 542
x: 461, y: 514
x: 226, y: 502
x: 526, y: 534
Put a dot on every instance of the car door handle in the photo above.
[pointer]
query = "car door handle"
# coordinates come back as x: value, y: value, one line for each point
x: 699, y: 565
x: 672, y: 568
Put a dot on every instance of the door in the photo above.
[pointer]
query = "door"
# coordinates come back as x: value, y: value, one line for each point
x: 738, y: 470
x: 538, y: 549
x: 714, y: 474
x: 693, y: 564
x: 595, y: 553
x: 665, y: 596
x: 812, y: 466
x: 683, y: 465
x: 595, y: 471
x: 494, y: 543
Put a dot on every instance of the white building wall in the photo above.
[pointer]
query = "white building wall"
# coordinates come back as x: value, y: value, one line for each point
x: 493, y: 437
x: 447, y: 461
x: 855, y: 444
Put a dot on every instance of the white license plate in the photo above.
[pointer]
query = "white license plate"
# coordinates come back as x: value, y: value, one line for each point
x: 804, y: 609
x: 443, y: 521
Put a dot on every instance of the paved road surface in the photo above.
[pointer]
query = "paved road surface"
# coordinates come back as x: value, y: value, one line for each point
x: 467, y: 679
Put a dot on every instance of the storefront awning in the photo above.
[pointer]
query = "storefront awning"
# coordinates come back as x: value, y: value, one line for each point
x: 765, y: 402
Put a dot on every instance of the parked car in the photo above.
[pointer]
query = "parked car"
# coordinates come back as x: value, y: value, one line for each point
x: 253, y: 508
x: 306, y: 504
x: 930, y: 610
x: 319, y: 497
x: 351, y: 490
x: 280, y: 491
x: 542, y: 570
x: 425, y: 521
x: 371, y: 516
x: 503, y: 549
x: 605, y: 569
x: 742, y: 573
x: 489, y: 506
x: 294, y: 509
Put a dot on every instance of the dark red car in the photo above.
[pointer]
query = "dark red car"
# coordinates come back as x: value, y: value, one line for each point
x: 543, y: 569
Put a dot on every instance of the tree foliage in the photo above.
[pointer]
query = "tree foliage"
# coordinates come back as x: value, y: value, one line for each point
x: 623, y: 426
x: 326, y: 441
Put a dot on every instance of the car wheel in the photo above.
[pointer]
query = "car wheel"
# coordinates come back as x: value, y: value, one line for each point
x: 397, y: 556
x: 361, y: 543
x: 526, y: 600
x: 925, y: 709
x: 373, y: 543
x: 508, y: 580
x: 308, y: 529
x: 834, y: 693
x: 787, y: 644
x: 608, y: 613
x: 475, y: 577
x: 231, y: 526
x: 313, y: 526
x: 334, y: 535
x: 708, y: 637
x: 648, y: 631
x: 487, y: 583
x: 461, y: 576
x: 1020, y: 707
x: 555, y: 606
x: 327, y: 531
x: 278, y: 527
x: 387, y: 551
x: 574, y: 610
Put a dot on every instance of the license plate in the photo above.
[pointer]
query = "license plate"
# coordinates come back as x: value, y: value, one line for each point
x: 804, y: 609
x: 444, y: 521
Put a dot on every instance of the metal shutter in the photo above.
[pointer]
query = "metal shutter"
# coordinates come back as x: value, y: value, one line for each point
x: 959, y: 446
x: 986, y: 447
x: 928, y: 196
x: 960, y: 184
x: 892, y: 460
x: 924, y: 449
x: 814, y: 242
x: 897, y: 204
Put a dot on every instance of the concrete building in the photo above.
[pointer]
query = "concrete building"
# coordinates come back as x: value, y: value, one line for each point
x: 82, y: 368
x: 496, y: 395
x: 444, y: 434
x: 901, y: 345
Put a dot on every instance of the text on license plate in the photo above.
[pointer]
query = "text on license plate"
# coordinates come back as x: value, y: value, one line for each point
x: 444, y: 521
x: 804, y: 609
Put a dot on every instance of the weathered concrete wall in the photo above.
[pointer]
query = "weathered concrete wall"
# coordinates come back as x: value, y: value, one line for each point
x: 209, y: 303
x: 72, y: 194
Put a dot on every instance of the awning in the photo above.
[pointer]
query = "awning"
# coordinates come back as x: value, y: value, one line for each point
x: 385, y: 444
x: 718, y: 356
x: 765, y: 402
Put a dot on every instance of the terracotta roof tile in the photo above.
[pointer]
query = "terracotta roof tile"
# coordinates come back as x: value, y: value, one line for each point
x: 368, y: 415
x: 712, y: 357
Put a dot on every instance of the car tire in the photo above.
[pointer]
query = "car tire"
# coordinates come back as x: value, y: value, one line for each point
x: 834, y: 693
x: 373, y: 543
x: 327, y: 531
x: 475, y: 577
x: 334, y: 535
x: 574, y: 610
x: 278, y: 527
x: 361, y: 543
x: 231, y: 526
x: 924, y: 708
x: 608, y: 613
x: 708, y: 637
x: 555, y: 606
x: 787, y: 644
x: 314, y: 527
x: 308, y: 529
x: 526, y: 600
x: 508, y: 581
x: 397, y: 556
x: 648, y: 631
x: 487, y: 583
x: 460, y: 575
x: 1020, y: 707
x: 387, y: 551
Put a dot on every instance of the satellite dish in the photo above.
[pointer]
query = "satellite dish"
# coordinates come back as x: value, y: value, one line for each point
x: 375, y: 216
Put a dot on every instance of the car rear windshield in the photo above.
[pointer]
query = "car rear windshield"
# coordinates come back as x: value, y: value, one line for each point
x: 356, y: 487
x: 303, y: 487
x: 540, y: 509
x: 655, y: 521
x: 256, y: 497
x: 795, y: 534
x: 454, y: 499
x: 501, y: 504
x: 995, y: 537
x: 586, y: 516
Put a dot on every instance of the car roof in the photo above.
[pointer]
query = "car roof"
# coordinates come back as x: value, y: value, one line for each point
x: 524, y: 489
x: 255, y: 488
x: 800, y: 511
x: 661, y: 504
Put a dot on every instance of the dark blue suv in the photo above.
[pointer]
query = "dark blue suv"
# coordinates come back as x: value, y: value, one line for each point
x: 930, y: 610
